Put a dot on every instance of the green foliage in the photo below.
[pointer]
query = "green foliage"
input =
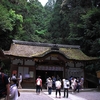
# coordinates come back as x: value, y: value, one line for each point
x: 42, y: 32
x: 70, y: 22
x: 15, y: 17
x: 91, y: 25
x: 54, y: 26
x: 5, y: 22
x: 10, y: 25
x: 95, y: 49
x: 16, y: 21
x: 90, y: 68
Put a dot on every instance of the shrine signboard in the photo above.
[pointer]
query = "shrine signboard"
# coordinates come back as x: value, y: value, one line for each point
x: 50, y: 68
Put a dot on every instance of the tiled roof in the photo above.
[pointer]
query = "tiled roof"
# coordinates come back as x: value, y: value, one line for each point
x: 33, y: 49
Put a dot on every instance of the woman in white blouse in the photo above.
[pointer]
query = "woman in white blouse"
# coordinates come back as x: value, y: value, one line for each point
x: 20, y: 81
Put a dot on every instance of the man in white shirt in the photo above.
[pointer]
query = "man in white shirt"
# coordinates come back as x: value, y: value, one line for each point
x: 66, y: 86
x: 58, y: 87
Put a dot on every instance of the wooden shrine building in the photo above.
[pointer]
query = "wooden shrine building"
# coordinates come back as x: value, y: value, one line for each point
x: 33, y: 59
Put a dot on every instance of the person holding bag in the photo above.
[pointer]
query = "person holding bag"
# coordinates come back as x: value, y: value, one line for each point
x: 66, y: 86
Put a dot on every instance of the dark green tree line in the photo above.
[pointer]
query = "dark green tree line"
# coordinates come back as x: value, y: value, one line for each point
x: 74, y: 22
x: 65, y: 22
x: 10, y: 26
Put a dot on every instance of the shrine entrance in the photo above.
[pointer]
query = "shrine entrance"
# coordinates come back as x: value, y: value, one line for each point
x: 46, y: 71
x: 45, y: 74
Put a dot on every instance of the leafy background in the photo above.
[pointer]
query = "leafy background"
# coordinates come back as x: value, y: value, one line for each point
x: 75, y: 22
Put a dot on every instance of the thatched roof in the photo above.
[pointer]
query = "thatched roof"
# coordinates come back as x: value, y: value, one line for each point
x: 35, y: 49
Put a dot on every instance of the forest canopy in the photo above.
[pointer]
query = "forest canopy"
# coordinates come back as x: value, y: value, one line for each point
x: 75, y: 22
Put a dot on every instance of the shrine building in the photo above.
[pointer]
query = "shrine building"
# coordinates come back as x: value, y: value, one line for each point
x: 47, y: 60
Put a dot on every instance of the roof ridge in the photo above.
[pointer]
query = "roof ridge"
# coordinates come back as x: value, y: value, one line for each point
x: 45, y: 44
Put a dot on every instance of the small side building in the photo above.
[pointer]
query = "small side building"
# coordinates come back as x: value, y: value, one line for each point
x: 47, y: 60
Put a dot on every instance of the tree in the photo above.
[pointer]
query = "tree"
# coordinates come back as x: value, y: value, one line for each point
x: 54, y: 27
x: 9, y: 22
x: 91, y: 24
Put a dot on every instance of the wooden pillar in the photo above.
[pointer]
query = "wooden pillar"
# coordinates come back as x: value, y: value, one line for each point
x: 74, y: 64
x: 23, y: 62
x: 64, y: 70
x: 85, y: 83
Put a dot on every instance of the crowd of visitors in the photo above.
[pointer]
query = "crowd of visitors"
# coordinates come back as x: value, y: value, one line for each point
x: 53, y: 84
x: 74, y: 83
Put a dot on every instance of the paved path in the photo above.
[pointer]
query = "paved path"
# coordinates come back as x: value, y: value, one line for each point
x: 93, y: 95
x: 71, y: 96
x: 33, y: 96
x: 86, y: 95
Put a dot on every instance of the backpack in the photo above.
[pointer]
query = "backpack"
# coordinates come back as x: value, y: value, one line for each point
x: 3, y: 91
x: 67, y: 83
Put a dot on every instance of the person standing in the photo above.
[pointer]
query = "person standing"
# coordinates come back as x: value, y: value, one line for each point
x: 4, y: 86
x: 77, y: 84
x: 53, y: 82
x: 20, y: 81
x: 38, y: 84
x: 46, y: 83
x: 66, y: 86
x: 13, y: 90
x: 82, y: 82
x: 49, y: 85
x: 13, y: 76
x: 58, y: 87
x: 73, y: 84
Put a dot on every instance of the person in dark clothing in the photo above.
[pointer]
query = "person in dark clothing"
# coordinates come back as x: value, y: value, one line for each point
x: 4, y: 85
x: 53, y: 82
x: 77, y: 85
